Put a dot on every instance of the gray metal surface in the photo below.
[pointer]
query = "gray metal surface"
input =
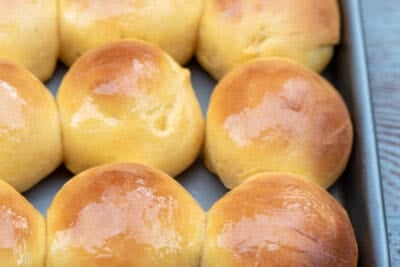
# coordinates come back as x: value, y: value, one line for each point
x: 363, y: 185
x: 359, y: 189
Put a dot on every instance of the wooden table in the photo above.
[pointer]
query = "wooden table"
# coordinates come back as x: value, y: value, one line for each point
x: 382, y: 29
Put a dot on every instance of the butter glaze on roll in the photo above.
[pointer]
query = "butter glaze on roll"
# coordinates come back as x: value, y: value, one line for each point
x: 170, y: 24
x: 129, y: 101
x: 29, y: 35
x: 124, y: 215
x: 233, y: 32
x: 275, y: 115
x: 278, y: 220
x: 22, y: 230
x: 30, y: 136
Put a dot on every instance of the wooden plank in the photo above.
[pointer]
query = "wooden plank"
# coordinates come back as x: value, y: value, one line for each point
x: 382, y: 29
x: 394, y: 240
x: 387, y: 116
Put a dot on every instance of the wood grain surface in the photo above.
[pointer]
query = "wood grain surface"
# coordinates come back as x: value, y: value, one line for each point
x: 382, y: 29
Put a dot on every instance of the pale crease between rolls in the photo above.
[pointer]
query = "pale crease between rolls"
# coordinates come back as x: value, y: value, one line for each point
x: 124, y: 215
x: 129, y: 101
x: 232, y: 32
x: 276, y: 115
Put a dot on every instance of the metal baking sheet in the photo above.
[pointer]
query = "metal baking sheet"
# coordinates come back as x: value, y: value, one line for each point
x: 359, y: 188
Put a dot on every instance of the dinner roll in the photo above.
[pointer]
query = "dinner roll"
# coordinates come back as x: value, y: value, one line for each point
x: 129, y: 101
x: 29, y: 35
x: 275, y: 115
x: 278, y: 220
x: 170, y: 24
x: 232, y: 32
x: 22, y: 230
x: 124, y: 215
x: 30, y: 136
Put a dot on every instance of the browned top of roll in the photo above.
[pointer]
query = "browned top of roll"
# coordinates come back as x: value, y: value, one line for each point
x: 124, y: 69
x: 279, y: 220
x: 138, y: 101
x: 22, y: 230
x: 124, y: 214
x: 276, y: 115
x: 15, y: 79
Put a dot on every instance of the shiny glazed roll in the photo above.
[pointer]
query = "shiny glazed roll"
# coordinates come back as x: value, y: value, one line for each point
x: 124, y: 215
x: 170, y: 24
x: 29, y: 35
x: 275, y: 115
x: 232, y: 32
x: 129, y: 101
x: 22, y: 230
x: 278, y: 220
x: 30, y: 136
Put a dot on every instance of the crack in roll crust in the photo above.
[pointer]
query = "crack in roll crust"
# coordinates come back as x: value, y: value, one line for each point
x: 129, y: 101
x: 232, y: 32
x: 274, y: 115
x: 124, y: 215
x: 278, y: 220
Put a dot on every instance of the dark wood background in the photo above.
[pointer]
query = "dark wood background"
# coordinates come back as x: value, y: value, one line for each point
x: 381, y: 20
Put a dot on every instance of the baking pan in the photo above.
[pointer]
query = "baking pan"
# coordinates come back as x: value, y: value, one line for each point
x: 359, y: 188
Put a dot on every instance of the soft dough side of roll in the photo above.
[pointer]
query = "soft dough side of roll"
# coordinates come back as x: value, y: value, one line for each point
x: 30, y: 135
x: 233, y: 32
x: 29, y: 35
x: 170, y: 24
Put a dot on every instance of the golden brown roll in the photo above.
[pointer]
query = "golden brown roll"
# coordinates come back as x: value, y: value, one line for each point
x: 22, y: 230
x: 30, y: 136
x: 232, y: 32
x: 278, y: 220
x: 29, y: 35
x: 124, y: 215
x: 129, y: 101
x: 275, y: 115
x: 170, y: 24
